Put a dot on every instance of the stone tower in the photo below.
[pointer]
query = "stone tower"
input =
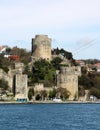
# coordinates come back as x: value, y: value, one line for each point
x: 68, y: 78
x: 41, y: 47
x: 17, y: 81
x: 21, y: 87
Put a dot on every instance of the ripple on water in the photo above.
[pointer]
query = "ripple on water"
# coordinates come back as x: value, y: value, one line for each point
x: 50, y: 117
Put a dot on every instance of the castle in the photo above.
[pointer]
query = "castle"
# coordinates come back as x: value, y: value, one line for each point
x: 67, y: 77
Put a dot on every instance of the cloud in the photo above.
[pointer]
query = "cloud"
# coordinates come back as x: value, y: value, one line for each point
x: 67, y: 21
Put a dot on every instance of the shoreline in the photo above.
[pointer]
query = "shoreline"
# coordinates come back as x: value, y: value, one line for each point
x: 51, y: 102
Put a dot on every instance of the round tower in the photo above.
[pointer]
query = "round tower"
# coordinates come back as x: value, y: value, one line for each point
x: 41, y: 47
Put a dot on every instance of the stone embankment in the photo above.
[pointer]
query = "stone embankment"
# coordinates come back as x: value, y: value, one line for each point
x: 51, y: 102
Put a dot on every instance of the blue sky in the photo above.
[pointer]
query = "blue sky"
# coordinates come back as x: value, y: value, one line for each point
x: 72, y: 24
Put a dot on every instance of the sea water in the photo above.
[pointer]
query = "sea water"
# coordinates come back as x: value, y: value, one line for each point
x: 50, y: 117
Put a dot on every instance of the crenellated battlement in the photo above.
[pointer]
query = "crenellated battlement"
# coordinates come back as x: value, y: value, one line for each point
x: 67, y: 78
x: 70, y: 70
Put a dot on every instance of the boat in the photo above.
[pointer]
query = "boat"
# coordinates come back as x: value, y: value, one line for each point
x: 57, y: 100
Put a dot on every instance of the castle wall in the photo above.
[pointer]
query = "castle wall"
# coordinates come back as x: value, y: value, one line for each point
x: 16, y: 80
x: 12, y: 72
x: 20, y: 86
x: 3, y: 74
x: 19, y: 66
x: 41, y: 47
x: 40, y: 87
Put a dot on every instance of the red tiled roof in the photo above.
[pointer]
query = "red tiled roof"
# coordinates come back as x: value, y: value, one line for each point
x: 79, y: 61
x: 97, y: 64
x: 1, y: 47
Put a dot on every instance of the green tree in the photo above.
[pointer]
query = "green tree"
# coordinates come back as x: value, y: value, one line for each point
x: 95, y: 92
x: 4, y: 63
x: 83, y: 70
x: 85, y: 81
x: 66, y: 54
x: 3, y: 84
x: 63, y: 52
x: 63, y: 93
x: 52, y: 94
x: 56, y: 62
x: 97, y: 81
x: 22, y: 53
x: 43, y: 72
x: 30, y: 93
x: 81, y: 90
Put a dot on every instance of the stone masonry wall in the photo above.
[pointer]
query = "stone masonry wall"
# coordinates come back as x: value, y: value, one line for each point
x: 41, y: 47
x: 20, y: 86
x: 68, y: 78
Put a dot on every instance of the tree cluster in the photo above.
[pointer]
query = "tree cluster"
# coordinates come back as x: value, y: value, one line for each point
x: 24, y: 55
x: 4, y: 63
x: 3, y: 84
x: 91, y: 82
x: 42, y: 72
x: 64, y: 53
x: 60, y: 93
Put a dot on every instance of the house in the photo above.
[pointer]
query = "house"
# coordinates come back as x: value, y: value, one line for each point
x: 97, y: 66
x: 80, y: 63
x: 13, y: 57
x: 3, y: 49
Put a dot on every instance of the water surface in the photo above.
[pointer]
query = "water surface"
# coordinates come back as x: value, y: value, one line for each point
x: 50, y: 117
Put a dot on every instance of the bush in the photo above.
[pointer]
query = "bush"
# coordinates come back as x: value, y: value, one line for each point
x: 4, y: 84
x: 95, y: 92
x: 52, y: 94
x: 30, y: 93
